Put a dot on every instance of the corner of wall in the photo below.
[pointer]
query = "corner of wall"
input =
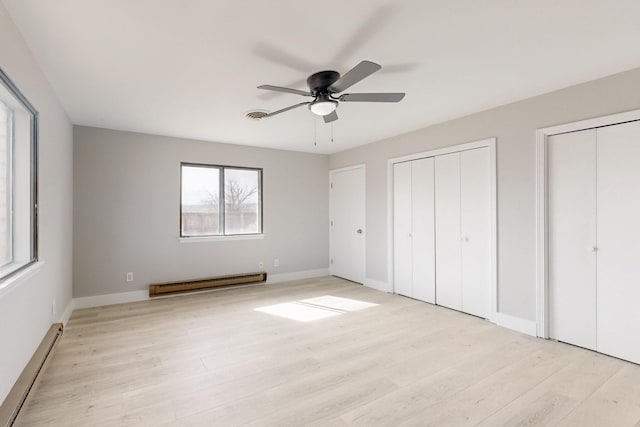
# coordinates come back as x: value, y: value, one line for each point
x: 377, y: 285
x: 516, y: 323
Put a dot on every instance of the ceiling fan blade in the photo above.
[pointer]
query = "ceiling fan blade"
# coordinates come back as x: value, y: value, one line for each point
x: 366, y: 31
x: 284, y: 89
x: 354, y: 75
x: 331, y: 117
x: 281, y: 57
x: 273, y: 113
x: 270, y: 94
x: 372, y: 97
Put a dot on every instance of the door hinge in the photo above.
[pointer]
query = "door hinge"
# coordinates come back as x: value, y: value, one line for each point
x: 331, y: 260
x: 332, y: 185
x: 332, y: 223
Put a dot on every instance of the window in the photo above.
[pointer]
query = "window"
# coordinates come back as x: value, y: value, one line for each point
x: 220, y: 200
x: 18, y: 179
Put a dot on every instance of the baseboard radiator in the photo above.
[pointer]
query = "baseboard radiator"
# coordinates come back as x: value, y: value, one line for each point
x: 18, y: 395
x: 168, y: 288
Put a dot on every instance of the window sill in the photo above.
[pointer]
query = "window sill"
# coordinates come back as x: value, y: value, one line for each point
x: 16, y: 280
x: 221, y: 238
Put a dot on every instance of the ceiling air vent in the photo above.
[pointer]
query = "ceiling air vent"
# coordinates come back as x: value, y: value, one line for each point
x: 255, y: 115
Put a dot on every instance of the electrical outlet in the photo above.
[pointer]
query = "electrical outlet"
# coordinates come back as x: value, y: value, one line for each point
x: 276, y: 262
x: 130, y: 277
x: 261, y: 264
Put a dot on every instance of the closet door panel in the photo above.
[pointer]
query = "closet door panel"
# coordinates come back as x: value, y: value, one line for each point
x: 402, y: 246
x: 618, y: 271
x: 422, y: 181
x: 475, y: 182
x: 447, y: 226
x: 572, y: 228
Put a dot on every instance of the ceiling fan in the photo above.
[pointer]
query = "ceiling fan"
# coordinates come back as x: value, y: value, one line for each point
x: 324, y: 87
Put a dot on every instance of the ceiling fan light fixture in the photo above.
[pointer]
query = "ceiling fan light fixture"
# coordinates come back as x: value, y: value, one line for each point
x: 324, y: 107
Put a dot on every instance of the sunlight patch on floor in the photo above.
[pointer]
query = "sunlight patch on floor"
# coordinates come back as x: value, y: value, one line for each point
x: 310, y: 309
x: 338, y: 303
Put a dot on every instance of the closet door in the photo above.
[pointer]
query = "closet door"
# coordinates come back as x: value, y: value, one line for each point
x: 618, y: 269
x: 422, y: 182
x: 402, y: 246
x: 447, y: 221
x: 572, y: 237
x: 475, y: 208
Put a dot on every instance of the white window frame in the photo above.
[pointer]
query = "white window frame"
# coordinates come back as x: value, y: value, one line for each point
x: 12, y: 269
x: 224, y: 236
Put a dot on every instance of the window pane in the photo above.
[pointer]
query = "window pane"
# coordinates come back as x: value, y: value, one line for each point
x: 200, y: 201
x: 242, y: 201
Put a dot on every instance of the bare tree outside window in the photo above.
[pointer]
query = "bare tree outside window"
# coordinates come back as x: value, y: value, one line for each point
x: 241, y: 201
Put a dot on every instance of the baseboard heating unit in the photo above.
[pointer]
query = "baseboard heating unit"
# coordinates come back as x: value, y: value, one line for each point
x: 193, y: 285
x: 17, y: 397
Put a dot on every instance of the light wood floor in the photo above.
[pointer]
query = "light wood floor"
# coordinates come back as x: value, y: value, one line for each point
x: 212, y: 360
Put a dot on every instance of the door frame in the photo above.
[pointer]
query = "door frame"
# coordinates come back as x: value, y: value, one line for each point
x: 490, y: 143
x: 542, y: 182
x: 364, y: 219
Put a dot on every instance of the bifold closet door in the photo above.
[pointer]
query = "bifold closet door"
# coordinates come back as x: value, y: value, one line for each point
x: 572, y: 237
x: 423, y: 240
x: 618, y: 270
x: 413, y: 234
x: 447, y: 231
x: 475, y: 208
x: 402, y: 228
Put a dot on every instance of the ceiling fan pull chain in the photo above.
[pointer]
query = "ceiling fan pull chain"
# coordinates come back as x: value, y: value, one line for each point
x: 331, y: 131
x: 315, y: 132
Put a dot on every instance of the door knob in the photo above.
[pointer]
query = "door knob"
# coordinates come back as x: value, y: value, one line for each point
x: 594, y: 249
x: 359, y: 231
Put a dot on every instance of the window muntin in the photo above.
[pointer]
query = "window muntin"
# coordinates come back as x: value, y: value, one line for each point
x: 18, y: 180
x: 203, y: 213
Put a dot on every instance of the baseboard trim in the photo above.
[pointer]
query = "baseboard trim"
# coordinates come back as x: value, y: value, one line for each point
x: 516, y: 323
x: 110, y: 299
x: 135, y: 296
x: 297, y: 275
x: 66, y: 314
x: 377, y: 285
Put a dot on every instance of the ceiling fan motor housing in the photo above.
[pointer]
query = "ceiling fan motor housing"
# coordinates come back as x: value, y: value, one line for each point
x: 319, y: 82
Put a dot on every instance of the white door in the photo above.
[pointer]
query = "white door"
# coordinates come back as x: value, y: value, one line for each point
x: 475, y: 211
x: 572, y: 237
x: 618, y: 267
x: 423, y: 237
x: 347, y: 216
x: 447, y: 230
x: 402, y: 228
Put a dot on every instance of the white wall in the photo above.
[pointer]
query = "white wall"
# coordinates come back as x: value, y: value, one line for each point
x: 127, y: 212
x: 26, y: 306
x: 514, y: 126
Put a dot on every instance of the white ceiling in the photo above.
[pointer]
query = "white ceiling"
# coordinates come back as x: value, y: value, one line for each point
x: 190, y: 68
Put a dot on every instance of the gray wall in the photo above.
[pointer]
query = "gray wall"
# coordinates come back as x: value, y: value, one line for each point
x: 26, y: 305
x: 514, y: 126
x: 127, y: 207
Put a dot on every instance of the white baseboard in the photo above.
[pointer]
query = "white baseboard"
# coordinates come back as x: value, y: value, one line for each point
x: 134, y: 296
x: 516, y: 323
x: 377, y: 285
x: 66, y: 314
x: 110, y: 299
x: 297, y: 275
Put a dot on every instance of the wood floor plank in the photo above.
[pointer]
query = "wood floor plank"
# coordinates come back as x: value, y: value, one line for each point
x: 213, y: 359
